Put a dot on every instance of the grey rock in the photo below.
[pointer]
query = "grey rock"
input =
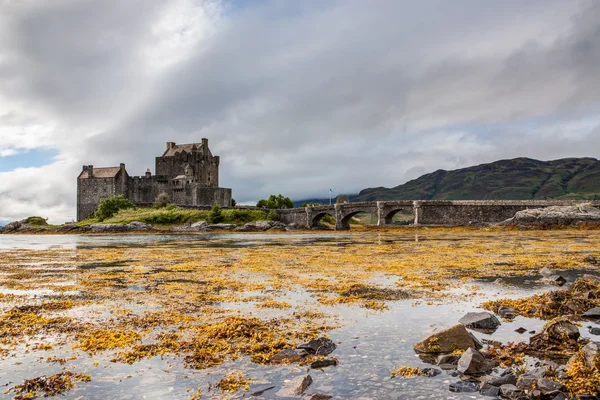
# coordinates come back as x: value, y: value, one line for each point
x: 109, y: 228
x: 508, y: 379
x: 295, y: 387
x: 140, y: 226
x: 286, y: 355
x: 555, y: 216
x: 547, y: 271
x: 546, y: 385
x: 555, y: 280
x: 317, y: 396
x: 328, y: 362
x: 592, y: 313
x: 320, y: 347
x: 473, y: 362
x: 221, y: 227
x: 431, y: 372
x: 490, y: 391
x: 508, y: 390
x: 447, y: 359
x: 454, y: 338
x: 464, y: 387
x: 593, y: 330
x: 507, y: 312
x: 480, y: 320
x: 200, y: 226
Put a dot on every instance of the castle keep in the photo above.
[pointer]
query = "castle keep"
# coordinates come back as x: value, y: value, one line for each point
x: 187, y: 173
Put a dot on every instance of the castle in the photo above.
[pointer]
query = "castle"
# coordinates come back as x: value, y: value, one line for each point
x: 187, y: 173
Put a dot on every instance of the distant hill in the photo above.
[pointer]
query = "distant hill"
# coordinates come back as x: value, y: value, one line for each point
x: 515, y: 179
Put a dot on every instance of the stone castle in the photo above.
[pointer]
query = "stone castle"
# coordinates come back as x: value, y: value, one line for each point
x: 187, y: 173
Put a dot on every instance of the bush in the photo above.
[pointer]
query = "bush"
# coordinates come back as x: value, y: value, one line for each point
x: 233, y: 203
x: 162, y: 200
x: 109, y: 207
x: 215, y: 216
x: 273, y: 216
x: 275, y: 202
x: 38, y: 221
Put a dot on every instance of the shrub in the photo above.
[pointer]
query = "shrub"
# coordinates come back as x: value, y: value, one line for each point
x: 162, y: 200
x: 215, y: 216
x: 39, y: 221
x: 109, y: 207
x: 274, y: 202
x: 273, y: 216
x: 233, y: 202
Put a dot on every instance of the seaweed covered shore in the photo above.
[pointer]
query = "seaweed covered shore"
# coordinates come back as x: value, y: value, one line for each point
x: 328, y: 314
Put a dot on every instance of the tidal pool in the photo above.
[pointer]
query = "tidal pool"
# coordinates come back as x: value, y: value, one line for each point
x: 169, y: 316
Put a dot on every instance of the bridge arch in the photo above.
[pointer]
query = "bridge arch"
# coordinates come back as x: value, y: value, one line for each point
x: 389, y: 214
x: 318, y: 215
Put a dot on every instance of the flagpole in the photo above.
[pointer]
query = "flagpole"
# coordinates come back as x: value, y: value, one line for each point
x: 330, y: 193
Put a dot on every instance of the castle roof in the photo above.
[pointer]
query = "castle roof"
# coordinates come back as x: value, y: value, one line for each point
x: 107, y: 172
x: 178, y: 148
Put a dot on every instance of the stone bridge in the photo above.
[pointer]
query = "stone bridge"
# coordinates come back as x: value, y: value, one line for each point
x: 426, y: 212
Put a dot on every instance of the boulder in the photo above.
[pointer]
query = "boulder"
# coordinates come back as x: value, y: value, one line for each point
x: 109, y: 228
x: 463, y: 387
x: 547, y: 271
x: 454, y: 338
x: 295, y: 387
x: 592, y: 313
x: 507, y: 312
x: 508, y: 390
x: 140, y: 226
x: 11, y: 227
x: 480, y: 320
x: 327, y: 362
x: 593, y: 330
x: 287, y: 355
x: 320, y: 347
x: 473, y: 362
x: 561, y: 216
x: 221, y: 227
x: 431, y: 372
x: 508, y: 379
x: 200, y: 226
x: 547, y: 386
x: 554, y: 280
x: 490, y: 391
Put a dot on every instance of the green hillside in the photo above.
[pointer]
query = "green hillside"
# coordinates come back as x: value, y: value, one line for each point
x: 516, y: 179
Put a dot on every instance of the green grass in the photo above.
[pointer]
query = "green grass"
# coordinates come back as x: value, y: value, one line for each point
x: 176, y: 216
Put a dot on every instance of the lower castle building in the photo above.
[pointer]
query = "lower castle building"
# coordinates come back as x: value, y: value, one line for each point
x: 187, y: 173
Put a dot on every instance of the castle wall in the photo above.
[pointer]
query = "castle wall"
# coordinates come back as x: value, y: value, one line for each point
x: 90, y: 192
x: 206, y: 167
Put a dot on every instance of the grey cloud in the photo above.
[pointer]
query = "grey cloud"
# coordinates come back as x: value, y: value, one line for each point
x: 300, y: 97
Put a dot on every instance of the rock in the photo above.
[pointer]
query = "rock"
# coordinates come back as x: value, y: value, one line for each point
x: 286, y: 355
x: 508, y: 390
x: 140, y: 226
x: 317, y: 396
x: 590, y: 351
x: 261, y: 390
x: 491, y: 342
x: 221, y: 227
x: 448, y: 340
x: 473, y: 362
x: 499, y: 281
x: 200, y: 226
x: 592, y: 259
x: 463, y: 387
x: 585, y: 397
x: 521, y: 330
x: 555, y: 280
x: 546, y: 386
x: 264, y: 225
x: 555, y: 216
x: 508, y: 379
x: 480, y: 320
x: 328, y: 362
x: 109, y: 228
x: 447, y: 359
x: 490, y: 391
x: 559, y: 396
x: 320, y: 347
x: 547, y: 271
x: 11, y: 227
x: 431, y: 372
x: 593, y: 330
x: 507, y: 312
x: 526, y: 382
x: 296, y: 386
x: 592, y: 313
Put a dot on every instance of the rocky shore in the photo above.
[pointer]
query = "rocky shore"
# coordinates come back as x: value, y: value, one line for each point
x: 555, y: 217
x: 202, y: 226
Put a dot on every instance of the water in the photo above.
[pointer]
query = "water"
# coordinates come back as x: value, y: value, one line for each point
x: 370, y: 343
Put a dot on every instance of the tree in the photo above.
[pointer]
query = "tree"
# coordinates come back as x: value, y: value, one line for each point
x: 341, y: 199
x: 233, y: 203
x: 109, y: 207
x: 215, y: 216
x: 275, y: 202
x: 162, y: 200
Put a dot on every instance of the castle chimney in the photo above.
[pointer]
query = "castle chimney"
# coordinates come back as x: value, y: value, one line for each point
x: 170, y: 145
x: 148, y: 173
x: 90, y: 170
x: 122, y: 166
x: 205, y: 143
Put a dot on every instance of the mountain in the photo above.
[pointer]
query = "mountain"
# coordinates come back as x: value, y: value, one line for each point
x: 515, y: 179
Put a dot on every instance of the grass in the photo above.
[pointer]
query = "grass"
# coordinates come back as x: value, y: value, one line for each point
x: 173, y: 216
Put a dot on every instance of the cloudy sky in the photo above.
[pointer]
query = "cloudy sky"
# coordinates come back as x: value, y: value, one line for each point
x: 296, y: 96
